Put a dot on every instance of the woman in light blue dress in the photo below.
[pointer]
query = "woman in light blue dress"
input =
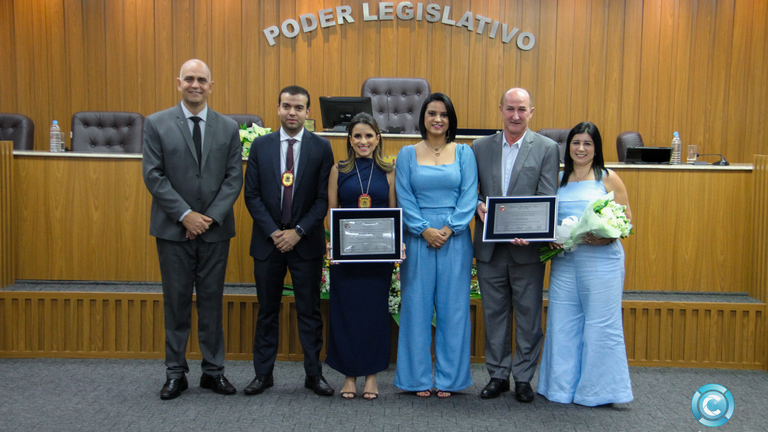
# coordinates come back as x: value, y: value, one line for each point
x: 436, y: 183
x: 585, y: 359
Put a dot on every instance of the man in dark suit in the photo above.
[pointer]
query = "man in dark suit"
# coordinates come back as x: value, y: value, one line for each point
x: 193, y: 169
x: 516, y: 162
x: 286, y: 192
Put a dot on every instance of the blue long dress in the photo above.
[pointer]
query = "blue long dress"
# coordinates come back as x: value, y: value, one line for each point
x: 435, y: 280
x: 585, y: 359
x: 359, y: 322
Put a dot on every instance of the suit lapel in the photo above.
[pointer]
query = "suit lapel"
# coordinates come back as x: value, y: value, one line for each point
x: 181, y: 122
x: 210, y: 124
x: 522, y: 154
x: 496, y: 162
x: 306, y: 150
x: 274, y: 156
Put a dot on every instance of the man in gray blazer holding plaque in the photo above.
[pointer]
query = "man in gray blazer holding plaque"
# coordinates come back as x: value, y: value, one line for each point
x: 194, y: 170
x: 515, y: 162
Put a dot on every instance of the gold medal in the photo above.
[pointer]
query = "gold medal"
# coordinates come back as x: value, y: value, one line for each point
x: 287, y: 178
x: 364, y: 201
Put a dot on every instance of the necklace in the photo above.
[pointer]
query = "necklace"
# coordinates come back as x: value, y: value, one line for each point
x: 364, y: 201
x: 578, y: 179
x: 437, y: 151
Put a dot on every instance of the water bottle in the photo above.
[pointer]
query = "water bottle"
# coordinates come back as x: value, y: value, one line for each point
x: 676, y: 149
x: 55, y: 138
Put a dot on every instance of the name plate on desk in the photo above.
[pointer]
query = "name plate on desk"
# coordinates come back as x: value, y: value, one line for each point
x: 528, y: 218
x: 367, y: 235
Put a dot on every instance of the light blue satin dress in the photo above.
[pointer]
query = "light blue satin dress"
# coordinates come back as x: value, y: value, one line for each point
x: 585, y: 359
x: 435, y: 280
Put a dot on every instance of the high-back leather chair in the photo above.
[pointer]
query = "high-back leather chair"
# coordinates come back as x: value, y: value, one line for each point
x: 560, y: 136
x: 18, y: 128
x: 246, y: 119
x: 627, y: 139
x: 107, y: 132
x: 396, y: 102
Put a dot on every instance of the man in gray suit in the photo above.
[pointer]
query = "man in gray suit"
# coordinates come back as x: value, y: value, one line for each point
x: 516, y: 162
x: 193, y: 169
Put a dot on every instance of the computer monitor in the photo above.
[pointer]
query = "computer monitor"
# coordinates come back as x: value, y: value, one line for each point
x: 337, y: 112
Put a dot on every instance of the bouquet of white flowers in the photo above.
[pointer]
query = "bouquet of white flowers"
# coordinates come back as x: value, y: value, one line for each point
x: 394, y: 291
x: 248, y: 134
x: 603, y: 218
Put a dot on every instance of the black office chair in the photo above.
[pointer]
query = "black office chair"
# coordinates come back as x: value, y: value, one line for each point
x: 396, y: 102
x: 246, y: 119
x: 18, y: 128
x: 107, y: 132
x: 627, y: 139
x: 560, y: 136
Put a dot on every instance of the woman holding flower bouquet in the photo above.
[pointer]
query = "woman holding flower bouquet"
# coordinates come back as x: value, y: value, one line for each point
x: 358, y: 329
x: 584, y: 359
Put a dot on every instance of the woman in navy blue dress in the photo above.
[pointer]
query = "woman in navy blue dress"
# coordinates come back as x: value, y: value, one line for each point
x: 358, y: 329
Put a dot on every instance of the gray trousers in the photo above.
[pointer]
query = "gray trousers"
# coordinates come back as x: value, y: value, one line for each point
x: 186, y: 267
x: 506, y: 286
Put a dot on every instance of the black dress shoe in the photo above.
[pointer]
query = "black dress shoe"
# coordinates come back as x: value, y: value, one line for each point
x: 219, y: 384
x: 259, y: 384
x: 523, y: 392
x: 319, y: 385
x: 173, y: 387
x: 494, y: 388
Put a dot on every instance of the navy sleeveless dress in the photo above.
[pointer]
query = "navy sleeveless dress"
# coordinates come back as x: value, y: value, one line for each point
x: 358, y: 326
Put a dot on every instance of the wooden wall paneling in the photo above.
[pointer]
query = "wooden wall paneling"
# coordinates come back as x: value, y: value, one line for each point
x: 115, y: 52
x: 7, y: 244
x: 478, y: 63
x: 227, y: 48
x: 24, y: 64
x: 271, y: 60
x: 717, y: 91
x: 130, y: 60
x: 545, y: 99
x: 459, y: 64
x: 682, y: 71
x: 757, y: 84
x: 580, y: 64
x: 132, y: 212
x: 737, y: 89
x: 8, y: 94
x: 95, y: 53
x: 630, y: 86
x: 369, y: 33
x: 651, y: 64
x: 439, y: 44
x: 387, y: 40
x: 758, y: 288
x: 529, y: 66
x: 183, y: 26
x: 701, y: 77
x: 165, y: 71
x: 74, y: 87
x: 631, y: 182
x: 251, y: 59
x: 594, y: 89
x: 614, y: 62
x: 659, y: 131
x: 147, y: 82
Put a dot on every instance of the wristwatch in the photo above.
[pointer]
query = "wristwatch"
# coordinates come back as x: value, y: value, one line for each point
x: 300, y: 231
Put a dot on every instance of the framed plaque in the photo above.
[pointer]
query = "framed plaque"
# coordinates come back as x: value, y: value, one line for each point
x: 366, y: 235
x: 531, y: 218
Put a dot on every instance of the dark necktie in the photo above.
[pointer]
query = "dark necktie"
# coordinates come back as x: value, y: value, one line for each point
x: 197, y: 138
x: 288, y: 190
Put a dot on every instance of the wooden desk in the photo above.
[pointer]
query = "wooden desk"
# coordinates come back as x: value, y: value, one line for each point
x: 86, y: 217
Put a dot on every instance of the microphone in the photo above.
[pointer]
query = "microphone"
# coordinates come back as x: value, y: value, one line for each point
x: 721, y: 162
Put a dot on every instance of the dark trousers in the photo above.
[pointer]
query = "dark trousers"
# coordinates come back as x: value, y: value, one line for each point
x: 270, y: 274
x: 186, y: 267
